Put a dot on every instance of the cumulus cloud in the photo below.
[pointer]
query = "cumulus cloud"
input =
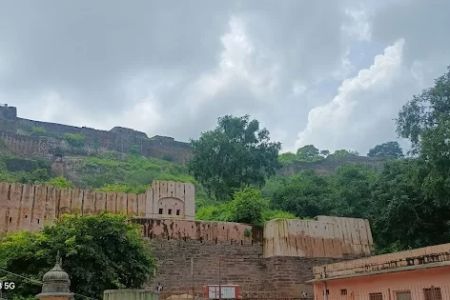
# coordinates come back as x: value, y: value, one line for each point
x: 362, y: 106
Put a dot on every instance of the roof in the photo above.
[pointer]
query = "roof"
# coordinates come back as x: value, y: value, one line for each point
x: 422, y: 258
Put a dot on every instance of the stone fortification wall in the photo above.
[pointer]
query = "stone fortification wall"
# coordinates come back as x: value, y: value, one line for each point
x: 29, y: 207
x: 170, y: 199
x: 325, y: 237
x: 185, y: 267
x: 168, y: 229
x: 193, y: 254
x: 129, y: 294
x: 8, y: 112
x: 21, y: 139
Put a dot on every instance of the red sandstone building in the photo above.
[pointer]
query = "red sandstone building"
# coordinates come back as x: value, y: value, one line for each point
x: 420, y: 274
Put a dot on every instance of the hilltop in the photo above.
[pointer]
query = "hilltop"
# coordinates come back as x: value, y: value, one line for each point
x: 31, y: 138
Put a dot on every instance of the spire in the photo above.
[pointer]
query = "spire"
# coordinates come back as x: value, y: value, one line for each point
x: 56, y: 281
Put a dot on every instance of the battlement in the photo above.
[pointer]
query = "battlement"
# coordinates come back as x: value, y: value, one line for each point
x: 325, y: 236
x: 30, y: 207
x: 8, y: 112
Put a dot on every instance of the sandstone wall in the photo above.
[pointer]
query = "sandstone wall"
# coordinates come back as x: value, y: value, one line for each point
x: 29, y: 207
x: 129, y: 294
x: 170, y: 199
x: 168, y: 229
x: 185, y: 267
x: 24, y: 145
x: 193, y: 254
x: 325, y: 237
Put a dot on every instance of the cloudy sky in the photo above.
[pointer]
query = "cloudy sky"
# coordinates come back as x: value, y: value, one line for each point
x: 329, y: 73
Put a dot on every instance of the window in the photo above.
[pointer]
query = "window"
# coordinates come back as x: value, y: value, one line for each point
x: 403, y: 295
x: 375, y: 296
x: 343, y: 292
x: 178, y: 212
x: 170, y: 211
x: 160, y: 211
x: 433, y: 293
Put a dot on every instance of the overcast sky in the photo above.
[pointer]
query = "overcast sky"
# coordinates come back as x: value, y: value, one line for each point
x: 329, y: 73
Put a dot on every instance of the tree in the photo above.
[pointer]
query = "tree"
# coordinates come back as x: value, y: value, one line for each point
x: 342, y: 154
x: 235, y: 154
x: 325, y: 153
x: 351, y: 190
x: 287, y: 158
x: 402, y: 215
x: 386, y: 150
x: 305, y: 195
x: 248, y: 206
x: 99, y: 252
x: 425, y: 120
x: 426, y: 111
x: 308, y: 153
x: 75, y: 139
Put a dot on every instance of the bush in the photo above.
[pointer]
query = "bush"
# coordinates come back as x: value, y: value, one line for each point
x: 38, y: 131
x: 60, y: 182
x: 75, y: 139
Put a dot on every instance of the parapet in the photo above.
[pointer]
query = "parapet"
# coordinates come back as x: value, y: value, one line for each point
x: 29, y: 207
x: 333, y: 237
x: 434, y: 256
x: 203, y: 231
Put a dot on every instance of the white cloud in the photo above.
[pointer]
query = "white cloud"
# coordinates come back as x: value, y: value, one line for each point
x: 240, y: 63
x: 358, y: 24
x: 354, y: 117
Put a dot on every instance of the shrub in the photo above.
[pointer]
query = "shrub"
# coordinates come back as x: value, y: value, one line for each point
x: 75, y: 139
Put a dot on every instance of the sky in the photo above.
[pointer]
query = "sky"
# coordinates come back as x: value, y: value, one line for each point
x: 330, y: 73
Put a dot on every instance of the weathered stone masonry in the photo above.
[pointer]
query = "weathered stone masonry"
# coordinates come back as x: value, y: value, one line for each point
x: 29, y: 207
x: 192, y: 254
x: 16, y: 134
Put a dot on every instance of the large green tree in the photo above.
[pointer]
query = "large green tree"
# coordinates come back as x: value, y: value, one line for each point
x: 386, y: 150
x: 99, y: 252
x: 426, y: 112
x: 351, y: 187
x: 402, y: 214
x: 235, y: 154
x: 305, y: 195
x: 308, y: 153
x: 425, y: 120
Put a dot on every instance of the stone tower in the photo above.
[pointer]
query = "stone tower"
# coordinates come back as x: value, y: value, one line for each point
x: 56, y: 284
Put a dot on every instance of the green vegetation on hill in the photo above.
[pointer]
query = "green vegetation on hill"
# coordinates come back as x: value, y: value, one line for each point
x: 131, y: 173
x: 247, y: 206
x: 15, y: 169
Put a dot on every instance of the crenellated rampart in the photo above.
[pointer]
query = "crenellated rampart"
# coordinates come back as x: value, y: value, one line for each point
x: 30, y: 207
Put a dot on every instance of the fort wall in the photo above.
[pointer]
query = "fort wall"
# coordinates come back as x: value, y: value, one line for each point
x: 21, y: 138
x: 324, y: 237
x: 185, y: 267
x: 273, y: 263
x: 193, y: 254
x: 30, y: 207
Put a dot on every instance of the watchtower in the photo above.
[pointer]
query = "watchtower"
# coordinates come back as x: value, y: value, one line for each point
x: 8, y: 112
